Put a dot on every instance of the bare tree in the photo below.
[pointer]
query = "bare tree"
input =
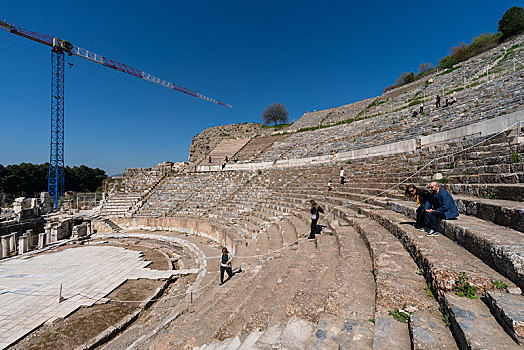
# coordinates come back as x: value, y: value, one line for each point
x: 276, y: 112
x: 425, y: 67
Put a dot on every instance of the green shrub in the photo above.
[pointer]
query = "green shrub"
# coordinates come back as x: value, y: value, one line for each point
x: 511, y: 23
x: 463, y: 289
x: 429, y: 292
x: 406, y: 78
x: 447, y: 62
x: 400, y: 315
x: 481, y: 43
x: 499, y: 284
x: 414, y: 103
x: 515, y: 158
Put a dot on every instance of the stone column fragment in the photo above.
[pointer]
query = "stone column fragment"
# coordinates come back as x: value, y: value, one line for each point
x: 42, y: 240
x: 5, y: 246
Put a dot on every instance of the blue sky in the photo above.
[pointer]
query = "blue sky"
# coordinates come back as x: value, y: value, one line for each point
x: 249, y: 54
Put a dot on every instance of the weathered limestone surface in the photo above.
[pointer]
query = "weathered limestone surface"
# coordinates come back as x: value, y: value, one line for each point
x: 475, y: 326
x: 204, y: 142
x: 29, y: 287
x: 499, y: 247
x: 509, y: 309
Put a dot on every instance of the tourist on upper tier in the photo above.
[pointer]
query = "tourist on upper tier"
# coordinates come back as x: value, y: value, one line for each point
x: 341, y: 175
x: 453, y: 100
x: 225, y: 265
x: 440, y: 205
x: 210, y: 160
x: 315, y: 213
x: 437, y: 101
x: 421, y: 107
x: 420, y: 195
x: 414, y: 114
x: 447, y: 103
x: 227, y: 159
x: 329, y: 185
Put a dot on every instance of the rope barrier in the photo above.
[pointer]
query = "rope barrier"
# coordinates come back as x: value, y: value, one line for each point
x: 425, y: 166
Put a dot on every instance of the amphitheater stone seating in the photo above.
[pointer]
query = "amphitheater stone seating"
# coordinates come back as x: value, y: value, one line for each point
x: 370, y: 279
x: 391, y: 118
x: 127, y: 192
x: 330, y: 116
x: 256, y: 146
x: 226, y: 148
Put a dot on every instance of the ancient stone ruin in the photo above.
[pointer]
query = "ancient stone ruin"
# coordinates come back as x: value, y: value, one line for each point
x: 147, y: 259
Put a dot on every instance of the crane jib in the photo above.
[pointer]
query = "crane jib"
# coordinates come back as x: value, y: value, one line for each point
x: 70, y: 49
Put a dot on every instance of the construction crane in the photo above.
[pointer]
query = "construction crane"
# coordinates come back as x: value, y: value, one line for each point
x: 59, y: 47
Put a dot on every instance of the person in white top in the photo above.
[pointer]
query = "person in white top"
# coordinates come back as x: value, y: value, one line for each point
x: 341, y: 175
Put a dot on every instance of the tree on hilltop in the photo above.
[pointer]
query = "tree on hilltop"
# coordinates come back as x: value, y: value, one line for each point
x: 425, y: 68
x: 405, y: 78
x: 275, y: 113
x: 512, y: 22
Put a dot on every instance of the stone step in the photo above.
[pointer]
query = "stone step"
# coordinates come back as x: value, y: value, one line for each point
x: 262, y: 242
x: 400, y: 286
x: 270, y: 337
x: 209, y: 316
x: 500, y: 247
x: 351, y: 326
x: 510, y: 178
x: 288, y: 230
x: 294, y: 274
x: 275, y: 237
x: 253, y: 312
x: 509, y: 310
x: 500, y: 212
x: 474, y: 326
x: 441, y: 259
x: 512, y: 192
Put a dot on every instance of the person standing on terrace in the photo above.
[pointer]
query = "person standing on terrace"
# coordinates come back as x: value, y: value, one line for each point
x: 341, y: 175
x: 440, y: 205
x: 315, y: 213
x: 437, y: 101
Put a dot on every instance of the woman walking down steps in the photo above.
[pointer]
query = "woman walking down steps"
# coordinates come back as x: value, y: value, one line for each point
x: 315, y: 213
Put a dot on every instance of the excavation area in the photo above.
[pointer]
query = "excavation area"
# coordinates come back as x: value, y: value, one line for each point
x: 83, y: 294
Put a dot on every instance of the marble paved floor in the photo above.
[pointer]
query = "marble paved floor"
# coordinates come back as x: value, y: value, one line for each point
x: 29, y: 288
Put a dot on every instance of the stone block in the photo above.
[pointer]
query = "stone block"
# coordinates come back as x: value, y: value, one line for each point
x: 474, y: 326
x: 42, y: 240
x: 390, y: 333
x: 5, y: 246
x: 297, y: 333
x: 12, y: 242
x: 22, y: 245
x: 509, y: 309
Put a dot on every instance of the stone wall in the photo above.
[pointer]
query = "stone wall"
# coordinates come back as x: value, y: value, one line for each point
x: 204, y: 142
x: 491, y: 126
x: 195, y: 227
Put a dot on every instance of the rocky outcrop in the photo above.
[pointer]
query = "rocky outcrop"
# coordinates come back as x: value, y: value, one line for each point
x: 203, y: 143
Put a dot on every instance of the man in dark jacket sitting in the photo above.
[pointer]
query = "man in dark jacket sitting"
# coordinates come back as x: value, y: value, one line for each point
x: 440, y: 205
